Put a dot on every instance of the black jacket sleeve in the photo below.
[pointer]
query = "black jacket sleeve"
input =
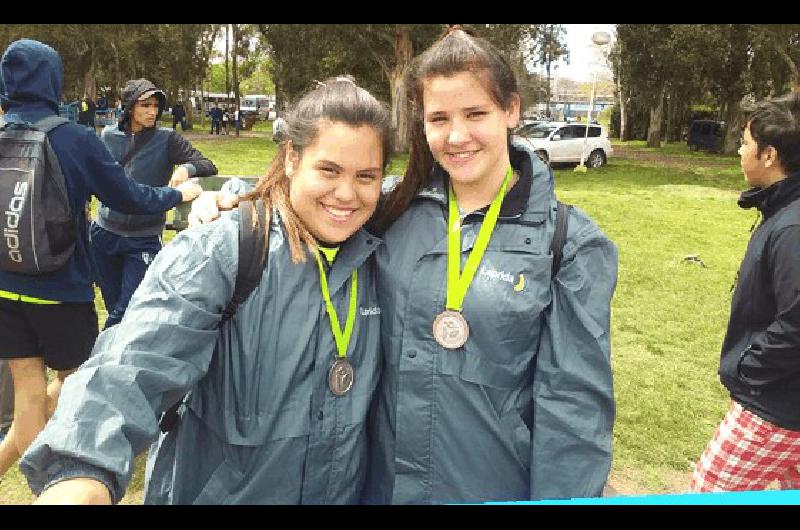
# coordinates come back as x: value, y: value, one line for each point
x: 775, y: 353
x: 182, y: 152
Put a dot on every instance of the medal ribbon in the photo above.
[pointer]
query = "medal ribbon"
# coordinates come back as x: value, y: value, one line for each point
x: 342, y: 338
x: 457, y: 283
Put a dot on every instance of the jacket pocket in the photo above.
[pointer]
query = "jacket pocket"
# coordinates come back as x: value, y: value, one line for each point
x: 504, y: 305
x: 293, y: 420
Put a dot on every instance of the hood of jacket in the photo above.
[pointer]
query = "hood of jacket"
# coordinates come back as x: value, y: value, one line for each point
x: 133, y: 90
x: 31, y: 78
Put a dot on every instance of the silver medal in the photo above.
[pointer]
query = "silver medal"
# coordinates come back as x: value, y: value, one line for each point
x: 450, y: 329
x: 341, y: 377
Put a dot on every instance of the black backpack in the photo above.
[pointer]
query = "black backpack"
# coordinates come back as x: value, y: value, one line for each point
x: 39, y: 232
x: 253, y: 252
x: 559, y: 236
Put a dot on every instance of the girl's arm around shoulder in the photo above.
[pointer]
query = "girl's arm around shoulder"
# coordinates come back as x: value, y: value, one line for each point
x: 573, y: 396
x: 109, y: 408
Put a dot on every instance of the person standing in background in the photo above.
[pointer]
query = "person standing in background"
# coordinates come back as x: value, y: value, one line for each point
x: 178, y: 116
x: 49, y: 319
x: 124, y: 245
x: 758, y: 440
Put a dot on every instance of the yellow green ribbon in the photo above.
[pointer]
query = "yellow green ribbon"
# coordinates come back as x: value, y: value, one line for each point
x: 27, y: 299
x: 342, y: 338
x: 458, y: 283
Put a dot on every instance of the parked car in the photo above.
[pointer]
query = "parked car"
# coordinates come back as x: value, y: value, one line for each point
x: 563, y: 142
x: 527, y: 127
x: 705, y: 134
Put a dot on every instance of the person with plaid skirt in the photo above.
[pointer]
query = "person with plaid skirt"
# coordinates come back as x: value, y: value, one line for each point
x: 758, y: 441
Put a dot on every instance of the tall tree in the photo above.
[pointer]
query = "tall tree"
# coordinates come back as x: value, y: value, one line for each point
x: 235, y: 29
x: 646, y: 53
x: 548, y: 46
x: 377, y: 55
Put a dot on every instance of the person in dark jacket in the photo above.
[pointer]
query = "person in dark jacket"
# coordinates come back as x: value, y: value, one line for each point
x: 123, y: 245
x: 49, y: 319
x: 216, y: 119
x: 178, y: 116
x: 86, y: 112
x: 758, y: 441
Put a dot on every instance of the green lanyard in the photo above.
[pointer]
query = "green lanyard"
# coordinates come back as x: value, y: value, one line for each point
x: 342, y: 339
x: 457, y: 284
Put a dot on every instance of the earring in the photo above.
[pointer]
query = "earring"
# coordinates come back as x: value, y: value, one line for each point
x: 289, y: 170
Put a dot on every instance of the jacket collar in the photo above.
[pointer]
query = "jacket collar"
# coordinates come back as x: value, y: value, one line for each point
x: 770, y: 200
x: 352, y: 253
x: 516, y: 200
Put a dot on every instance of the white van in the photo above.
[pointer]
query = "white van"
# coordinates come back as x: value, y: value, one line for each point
x: 258, y: 104
x: 564, y: 142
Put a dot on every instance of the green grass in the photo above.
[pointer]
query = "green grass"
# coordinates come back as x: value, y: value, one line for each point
x: 668, y: 315
x: 679, y: 149
x: 237, y: 156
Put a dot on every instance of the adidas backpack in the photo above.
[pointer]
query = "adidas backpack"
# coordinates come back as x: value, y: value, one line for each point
x: 37, y: 231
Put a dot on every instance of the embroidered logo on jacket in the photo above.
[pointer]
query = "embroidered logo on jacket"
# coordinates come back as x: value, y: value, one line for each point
x: 503, y: 276
x: 370, y: 311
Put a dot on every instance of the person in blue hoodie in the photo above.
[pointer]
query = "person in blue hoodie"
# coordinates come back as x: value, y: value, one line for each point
x: 50, y: 319
x: 123, y: 245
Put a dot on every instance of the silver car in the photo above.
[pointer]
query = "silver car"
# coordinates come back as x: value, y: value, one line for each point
x: 564, y: 142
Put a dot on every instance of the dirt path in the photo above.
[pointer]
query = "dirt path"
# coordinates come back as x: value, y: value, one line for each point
x: 628, y: 152
x: 202, y: 133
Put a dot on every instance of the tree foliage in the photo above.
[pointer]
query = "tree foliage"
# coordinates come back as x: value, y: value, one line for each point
x: 377, y: 56
x: 173, y: 56
x: 680, y: 66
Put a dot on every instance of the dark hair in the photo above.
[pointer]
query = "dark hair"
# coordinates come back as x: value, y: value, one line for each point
x: 455, y: 52
x: 776, y: 122
x: 337, y: 100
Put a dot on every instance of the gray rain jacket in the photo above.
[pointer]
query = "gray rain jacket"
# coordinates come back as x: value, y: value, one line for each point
x: 525, y: 409
x: 261, y: 425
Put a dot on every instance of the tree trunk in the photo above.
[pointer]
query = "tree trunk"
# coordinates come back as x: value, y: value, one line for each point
x: 656, y: 115
x: 403, y: 53
x: 732, y: 118
x: 236, y: 75
x: 793, y: 67
x: 624, y: 100
x: 623, y: 116
x: 549, y: 96
x: 189, y: 108
x: 670, y: 109
x: 89, y: 82
x: 227, y: 76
